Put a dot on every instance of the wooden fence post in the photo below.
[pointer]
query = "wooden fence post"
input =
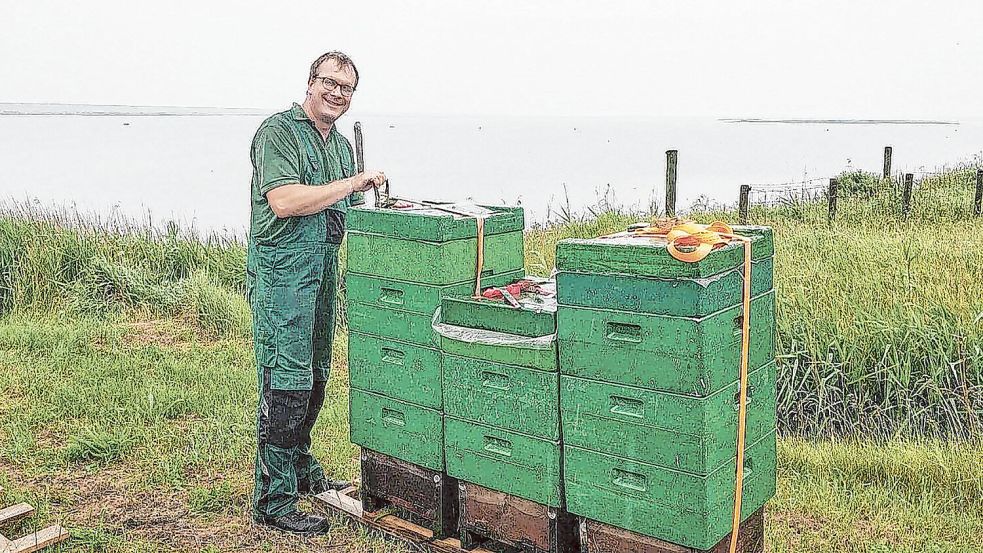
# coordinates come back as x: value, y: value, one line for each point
x: 832, y: 199
x: 909, y: 180
x: 888, y: 152
x: 743, y: 204
x: 672, y: 157
x: 978, y: 201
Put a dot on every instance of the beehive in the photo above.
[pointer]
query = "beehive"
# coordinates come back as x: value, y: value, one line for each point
x: 400, y: 264
x: 649, y: 352
x: 501, y: 397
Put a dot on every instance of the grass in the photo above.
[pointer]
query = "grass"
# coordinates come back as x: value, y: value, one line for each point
x: 139, y: 437
x: 127, y: 387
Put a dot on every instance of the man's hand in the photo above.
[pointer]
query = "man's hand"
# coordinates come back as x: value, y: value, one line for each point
x: 368, y: 179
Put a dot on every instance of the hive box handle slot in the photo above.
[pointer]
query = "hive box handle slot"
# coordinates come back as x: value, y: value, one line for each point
x: 495, y: 381
x: 629, y: 480
x: 624, y: 332
x: 391, y: 296
x: 498, y: 446
x: 392, y: 356
x: 392, y: 417
x: 627, y: 406
x: 737, y: 397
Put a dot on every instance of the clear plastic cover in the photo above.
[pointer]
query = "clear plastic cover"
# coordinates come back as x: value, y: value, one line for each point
x: 490, y: 337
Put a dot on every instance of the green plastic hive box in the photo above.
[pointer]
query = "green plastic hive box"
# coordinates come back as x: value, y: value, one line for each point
x: 694, y: 435
x: 403, y: 310
x: 647, y: 255
x: 432, y: 225
x: 431, y: 246
x: 497, y: 316
x: 504, y: 396
x: 678, y: 507
x: 536, y: 358
x: 680, y: 297
x: 505, y: 461
x: 411, y: 296
x: 397, y: 428
x: 694, y: 356
x: 486, y: 315
x: 399, y: 370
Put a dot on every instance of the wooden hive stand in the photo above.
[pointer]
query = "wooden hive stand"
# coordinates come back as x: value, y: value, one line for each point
x: 419, y: 538
x: 32, y: 542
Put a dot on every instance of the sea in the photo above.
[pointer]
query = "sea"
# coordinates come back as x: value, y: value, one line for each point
x: 191, y: 165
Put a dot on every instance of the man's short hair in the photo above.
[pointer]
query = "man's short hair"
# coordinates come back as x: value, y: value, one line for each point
x: 340, y: 58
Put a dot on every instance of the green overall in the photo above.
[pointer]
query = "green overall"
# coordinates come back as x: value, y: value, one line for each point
x: 291, y: 278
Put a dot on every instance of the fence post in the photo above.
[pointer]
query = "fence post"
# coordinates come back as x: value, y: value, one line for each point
x: 909, y: 180
x: 672, y: 157
x: 832, y: 199
x: 888, y: 152
x: 978, y: 201
x: 743, y: 204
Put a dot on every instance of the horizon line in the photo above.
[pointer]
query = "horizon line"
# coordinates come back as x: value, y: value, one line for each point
x: 157, y: 110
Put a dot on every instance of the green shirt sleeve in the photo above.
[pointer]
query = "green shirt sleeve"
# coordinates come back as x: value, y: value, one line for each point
x: 276, y: 158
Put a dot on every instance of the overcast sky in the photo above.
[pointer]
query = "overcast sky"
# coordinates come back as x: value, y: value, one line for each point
x: 828, y: 58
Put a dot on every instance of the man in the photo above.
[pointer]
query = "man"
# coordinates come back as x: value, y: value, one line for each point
x: 303, y: 182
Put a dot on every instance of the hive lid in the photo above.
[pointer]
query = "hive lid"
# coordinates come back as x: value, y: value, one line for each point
x: 646, y: 255
x: 434, y: 221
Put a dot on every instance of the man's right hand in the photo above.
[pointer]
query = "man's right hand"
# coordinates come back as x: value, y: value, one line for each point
x: 368, y: 179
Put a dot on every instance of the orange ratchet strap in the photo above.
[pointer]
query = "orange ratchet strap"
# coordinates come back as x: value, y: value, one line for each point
x: 479, y: 265
x: 700, y: 240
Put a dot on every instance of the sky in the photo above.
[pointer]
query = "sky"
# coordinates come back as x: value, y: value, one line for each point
x: 761, y: 58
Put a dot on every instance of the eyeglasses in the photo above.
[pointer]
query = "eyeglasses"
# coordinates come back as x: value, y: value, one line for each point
x: 330, y: 84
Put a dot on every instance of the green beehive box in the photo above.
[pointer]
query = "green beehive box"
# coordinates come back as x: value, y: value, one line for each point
x: 411, y: 296
x: 397, y: 428
x: 678, y: 507
x: 438, y: 263
x: 504, y: 396
x: 694, y: 435
x: 694, y: 356
x: 505, y: 461
x: 626, y: 254
x: 679, y: 297
x: 432, y: 225
x: 406, y: 326
x: 497, y: 316
x: 478, y: 319
x: 399, y: 370
x: 543, y: 359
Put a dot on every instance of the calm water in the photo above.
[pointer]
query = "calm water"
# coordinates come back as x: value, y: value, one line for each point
x: 195, y: 169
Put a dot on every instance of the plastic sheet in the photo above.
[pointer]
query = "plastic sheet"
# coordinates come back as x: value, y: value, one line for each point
x: 490, y: 337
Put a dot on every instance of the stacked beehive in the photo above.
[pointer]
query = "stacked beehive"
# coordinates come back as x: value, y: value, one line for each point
x: 401, y: 263
x: 649, y: 351
x: 502, y: 430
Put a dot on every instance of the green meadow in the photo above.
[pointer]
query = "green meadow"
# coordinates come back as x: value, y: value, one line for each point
x: 127, y: 386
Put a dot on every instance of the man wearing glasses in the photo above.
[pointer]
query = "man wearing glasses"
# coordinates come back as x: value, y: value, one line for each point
x: 303, y: 182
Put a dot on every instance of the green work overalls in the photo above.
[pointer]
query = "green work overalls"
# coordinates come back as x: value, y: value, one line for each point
x: 291, y: 276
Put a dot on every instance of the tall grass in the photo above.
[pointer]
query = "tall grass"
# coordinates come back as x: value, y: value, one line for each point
x: 880, y: 319
x: 58, y: 261
x: 879, y: 316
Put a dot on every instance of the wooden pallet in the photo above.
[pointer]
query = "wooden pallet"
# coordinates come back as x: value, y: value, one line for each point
x: 428, y: 496
x: 348, y: 503
x: 597, y: 537
x: 492, y: 516
x: 33, y: 542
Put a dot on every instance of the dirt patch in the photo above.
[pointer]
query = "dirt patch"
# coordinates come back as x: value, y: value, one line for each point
x: 109, y: 499
x: 801, y: 523
x: 161, y: 333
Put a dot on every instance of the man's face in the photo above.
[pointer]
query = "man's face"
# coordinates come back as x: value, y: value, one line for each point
x: 329, y: 102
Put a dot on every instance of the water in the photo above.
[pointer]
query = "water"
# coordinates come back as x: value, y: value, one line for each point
x: 195, y: 169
